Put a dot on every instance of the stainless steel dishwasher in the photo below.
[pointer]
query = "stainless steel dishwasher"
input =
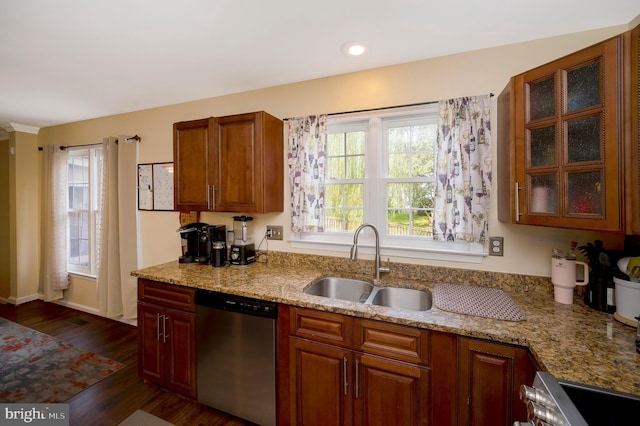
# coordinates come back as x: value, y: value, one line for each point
x: 236, y: 361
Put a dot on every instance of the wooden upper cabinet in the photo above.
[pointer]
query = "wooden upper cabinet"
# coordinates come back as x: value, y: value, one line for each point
x: 193, y: 160
x: 568, y: 141
x: 249, y: 163
x: 631, y: 105
x: 229, y: 164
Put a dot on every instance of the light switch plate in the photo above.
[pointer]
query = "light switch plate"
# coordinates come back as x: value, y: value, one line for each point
x: 274, y: 232
x: 496, y: 246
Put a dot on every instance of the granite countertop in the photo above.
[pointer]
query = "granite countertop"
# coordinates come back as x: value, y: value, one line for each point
x: 572, y: 342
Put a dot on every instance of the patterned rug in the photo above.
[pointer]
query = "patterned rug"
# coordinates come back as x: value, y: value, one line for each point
x: 38, y: 368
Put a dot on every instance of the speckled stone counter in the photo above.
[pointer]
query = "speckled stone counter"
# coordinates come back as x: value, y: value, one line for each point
x: 572, y: 342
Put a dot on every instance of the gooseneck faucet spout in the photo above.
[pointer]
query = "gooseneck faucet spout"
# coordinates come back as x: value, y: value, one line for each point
x: 354, y: 248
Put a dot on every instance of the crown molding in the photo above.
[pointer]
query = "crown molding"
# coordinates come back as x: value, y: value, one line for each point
x: 24, y: 128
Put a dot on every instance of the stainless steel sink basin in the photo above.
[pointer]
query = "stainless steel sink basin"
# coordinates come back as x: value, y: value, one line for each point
x: 355, y: 290
x: 403, y: 298
x: 341, y: 288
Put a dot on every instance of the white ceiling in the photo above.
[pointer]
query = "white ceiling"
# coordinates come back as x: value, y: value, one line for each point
x: 68, y: 60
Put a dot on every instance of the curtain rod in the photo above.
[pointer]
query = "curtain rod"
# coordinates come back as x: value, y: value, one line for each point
x: 378, y: 109
x: 63, y: 147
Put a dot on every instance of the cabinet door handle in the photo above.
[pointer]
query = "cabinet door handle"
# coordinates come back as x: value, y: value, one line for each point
x: 164, y: 329
x: 157, y: 326
x: 208, y: 197
x: 517, y: 188
x: 213, y: 197
x: 357, y: 379
x: 344, y: 372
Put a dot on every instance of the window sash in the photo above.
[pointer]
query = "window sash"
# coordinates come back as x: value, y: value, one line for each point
x: 89, y: 210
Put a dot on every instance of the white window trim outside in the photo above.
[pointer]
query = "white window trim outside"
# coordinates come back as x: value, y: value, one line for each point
x: 375, y: 187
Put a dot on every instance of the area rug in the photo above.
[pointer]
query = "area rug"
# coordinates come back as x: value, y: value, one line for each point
x: 142, y: 418
x: 38, y: 368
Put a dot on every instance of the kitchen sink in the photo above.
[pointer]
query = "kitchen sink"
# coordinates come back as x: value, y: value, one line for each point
x: 403, y: 298
x: 361, y: 291
x: 341, y: 288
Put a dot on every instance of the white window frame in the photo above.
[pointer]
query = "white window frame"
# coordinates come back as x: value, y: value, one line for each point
x: 375, y: 196
x: 93, y: 210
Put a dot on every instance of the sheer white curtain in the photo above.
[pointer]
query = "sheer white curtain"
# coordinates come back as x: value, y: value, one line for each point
x: 116, y: 234
x: 54, y: 277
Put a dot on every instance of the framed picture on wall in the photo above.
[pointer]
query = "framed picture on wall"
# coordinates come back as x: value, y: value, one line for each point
x: 145, y: 187
x: 163, y: 186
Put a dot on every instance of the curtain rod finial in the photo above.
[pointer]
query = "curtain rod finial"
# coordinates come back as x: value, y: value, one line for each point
x: 134, y: 138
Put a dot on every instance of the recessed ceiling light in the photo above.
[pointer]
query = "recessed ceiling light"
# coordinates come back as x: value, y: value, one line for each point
x: 354, y: 49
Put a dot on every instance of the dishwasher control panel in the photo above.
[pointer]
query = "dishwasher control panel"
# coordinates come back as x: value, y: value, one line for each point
x: 231, y: 302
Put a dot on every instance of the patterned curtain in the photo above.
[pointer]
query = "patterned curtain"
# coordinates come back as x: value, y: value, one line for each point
x: 463, y: 168
x: 307, y: 159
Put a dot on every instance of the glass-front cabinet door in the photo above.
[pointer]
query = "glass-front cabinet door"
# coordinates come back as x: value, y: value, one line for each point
x: 568, y: 153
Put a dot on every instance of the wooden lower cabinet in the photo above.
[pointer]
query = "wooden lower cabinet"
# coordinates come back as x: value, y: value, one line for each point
x: 335, y: 383
x: 490, y: 376
x: 390, y: 392
x: 349, y: 371
x: 166, y: 338
x: 320, y: 377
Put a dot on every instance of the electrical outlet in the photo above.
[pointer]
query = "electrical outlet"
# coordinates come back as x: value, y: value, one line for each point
x: 274, y: 232
x: 496, y: 246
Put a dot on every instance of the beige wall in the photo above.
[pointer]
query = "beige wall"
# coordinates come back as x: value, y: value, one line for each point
x: 4, y: 220
x: 82, y: 294
x: 527, y: 249
x: 23, y: 216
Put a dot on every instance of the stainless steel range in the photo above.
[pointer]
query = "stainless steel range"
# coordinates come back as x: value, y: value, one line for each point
x: 557, y: 402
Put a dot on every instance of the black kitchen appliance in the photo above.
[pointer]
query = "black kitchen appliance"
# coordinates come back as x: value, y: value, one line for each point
x: 197, y: 239
x: 559, y: 402
x: 217, y: 246
x: 242, y: 254
x: 193, y: 248
x: 243, y: 251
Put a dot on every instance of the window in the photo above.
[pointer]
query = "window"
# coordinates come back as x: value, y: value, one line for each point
x: 344, y: 182
x: 84, y: 183
x: 381, y: 169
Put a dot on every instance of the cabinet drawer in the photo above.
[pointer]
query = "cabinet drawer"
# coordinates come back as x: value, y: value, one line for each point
x: 167, y: 295
x: 392, y: 341
x: 321, y: 326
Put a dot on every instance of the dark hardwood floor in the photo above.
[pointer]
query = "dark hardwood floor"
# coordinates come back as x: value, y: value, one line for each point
x: 116, y: 397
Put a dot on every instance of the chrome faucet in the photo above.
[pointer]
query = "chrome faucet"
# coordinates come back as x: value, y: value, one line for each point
x: 354, y: 248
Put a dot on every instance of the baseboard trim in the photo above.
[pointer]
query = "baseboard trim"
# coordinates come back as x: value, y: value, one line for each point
x: 94, y: 311
x: 78, y: 307
x: 20, y: 300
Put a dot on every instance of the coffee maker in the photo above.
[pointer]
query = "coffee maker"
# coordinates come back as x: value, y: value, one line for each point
x: 243, y: 250
x: 194, y: 243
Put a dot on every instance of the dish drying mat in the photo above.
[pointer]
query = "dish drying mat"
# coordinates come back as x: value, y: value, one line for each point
x: 478, y: 301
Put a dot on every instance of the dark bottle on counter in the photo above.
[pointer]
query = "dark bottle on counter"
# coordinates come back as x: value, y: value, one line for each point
x: 596, y: 292
x: 611, y: 296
